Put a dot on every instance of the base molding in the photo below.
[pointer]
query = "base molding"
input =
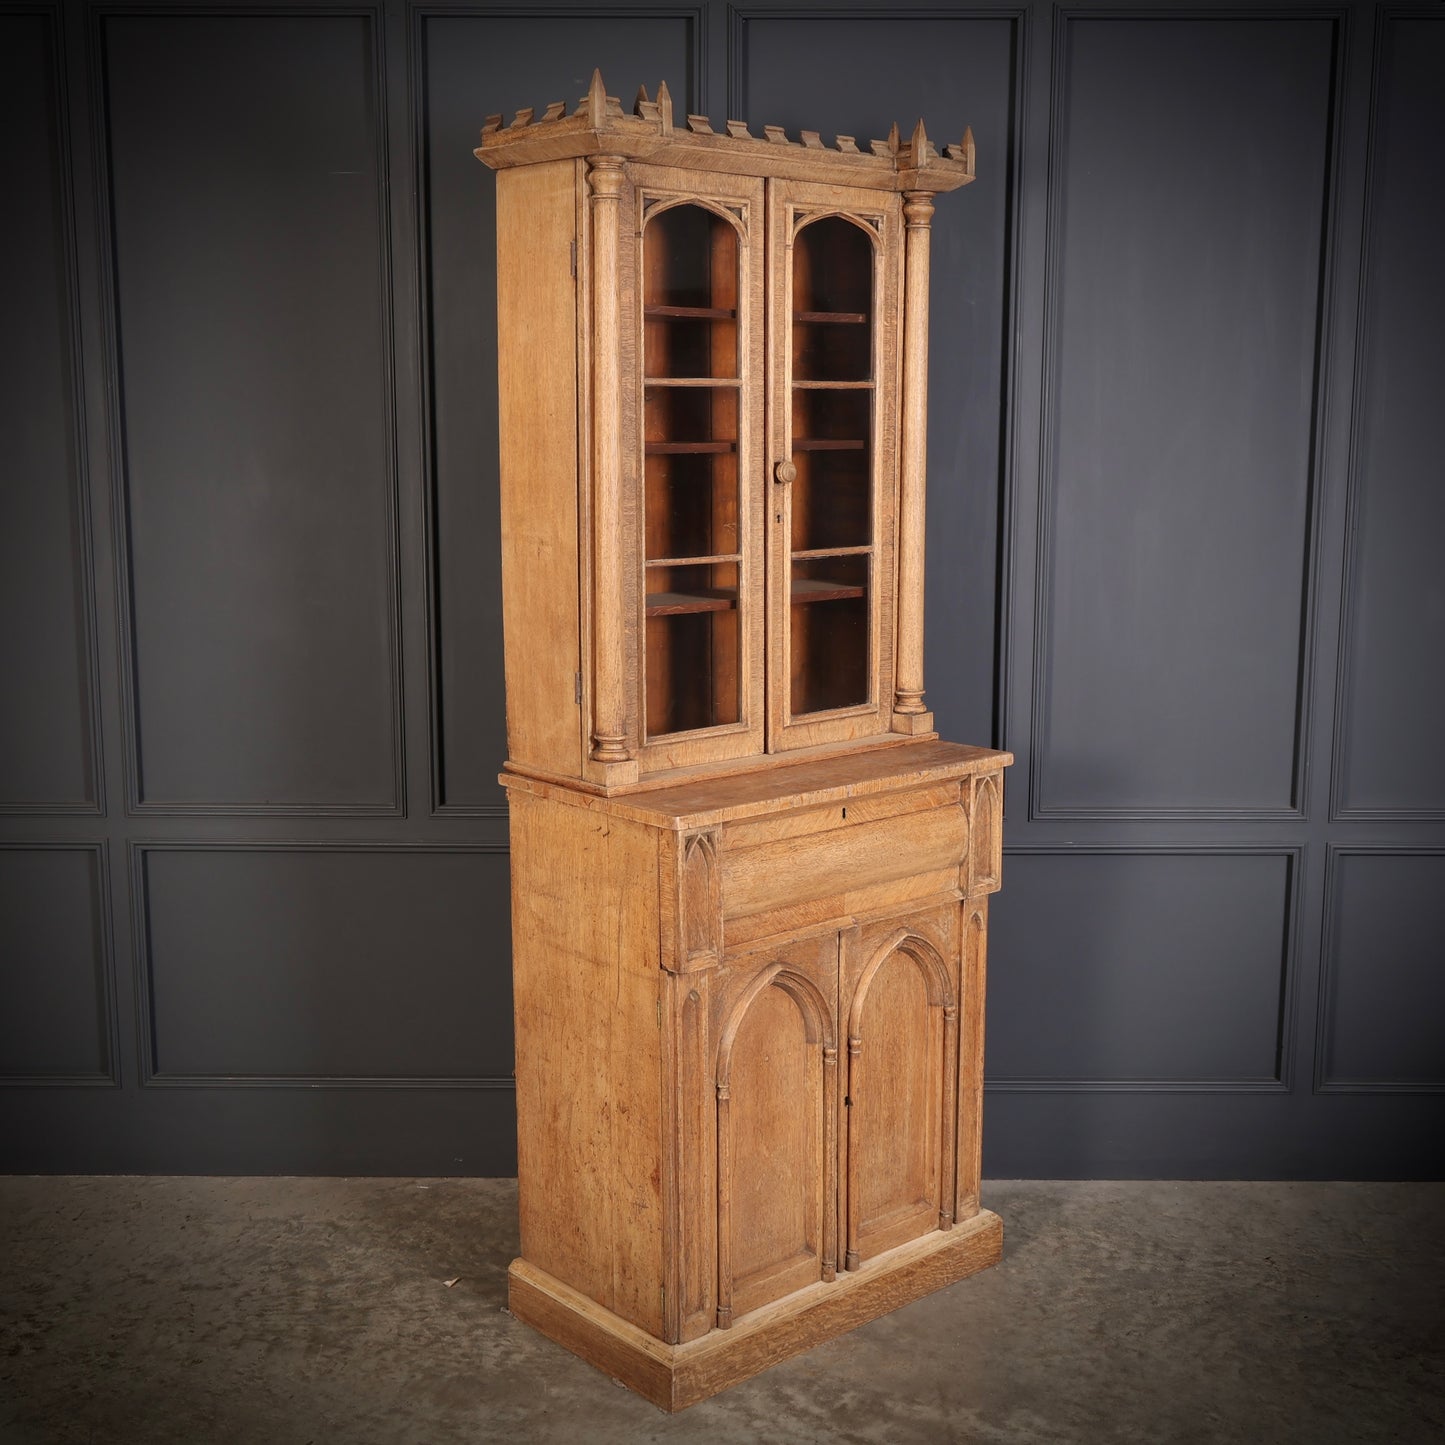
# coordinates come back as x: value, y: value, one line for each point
x: 676, y: 1376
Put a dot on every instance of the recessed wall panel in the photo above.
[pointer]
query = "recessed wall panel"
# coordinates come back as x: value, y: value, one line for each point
x: 312, y: 963
x: 253, y: 333
x: 45, y: 737
x: 475, y: 66
x: 859, y: 77
x: 1138, y: 968
x: 1186, y: 238
x: 54, y: 1017
x: 1383, y: 1020
x: 1394, y: 704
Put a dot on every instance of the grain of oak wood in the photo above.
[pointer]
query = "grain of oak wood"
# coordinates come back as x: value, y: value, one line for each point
x: 749, y: 884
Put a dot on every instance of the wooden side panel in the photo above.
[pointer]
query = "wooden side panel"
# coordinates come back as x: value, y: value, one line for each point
x: 537, y: 393
x: 589, y: 1066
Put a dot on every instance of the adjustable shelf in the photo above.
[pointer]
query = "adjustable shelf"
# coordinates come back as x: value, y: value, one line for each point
x: 701, y: 599
x: 836, y: 318
x: 815, y: 589
x: 690, y: 313
x: 666, y: 449
x: 829, y: 444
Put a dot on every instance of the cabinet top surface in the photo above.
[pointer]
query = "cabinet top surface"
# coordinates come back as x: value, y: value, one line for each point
x: 599, y: 126
x: 776, y: 789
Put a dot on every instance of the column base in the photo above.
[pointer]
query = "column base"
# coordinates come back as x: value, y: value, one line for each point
x: 676, y: 1376
x: 914, y: 724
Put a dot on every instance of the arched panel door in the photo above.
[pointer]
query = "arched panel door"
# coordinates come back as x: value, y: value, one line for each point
x: 901, y: 1081
x: 776, y: 1172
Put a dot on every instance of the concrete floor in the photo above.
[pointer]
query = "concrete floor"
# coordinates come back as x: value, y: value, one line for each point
x: 316, y: 1310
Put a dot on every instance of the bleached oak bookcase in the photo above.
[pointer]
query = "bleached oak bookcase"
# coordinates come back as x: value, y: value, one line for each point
x: 749, y: 883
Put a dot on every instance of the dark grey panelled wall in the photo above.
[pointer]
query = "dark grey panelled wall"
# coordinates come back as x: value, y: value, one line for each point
x: 1185, y: 508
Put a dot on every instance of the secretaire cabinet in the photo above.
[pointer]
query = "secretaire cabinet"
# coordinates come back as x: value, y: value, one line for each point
x: 749, y: 883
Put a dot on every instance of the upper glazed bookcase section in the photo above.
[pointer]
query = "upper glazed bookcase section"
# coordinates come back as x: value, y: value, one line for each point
x: 599, y: 126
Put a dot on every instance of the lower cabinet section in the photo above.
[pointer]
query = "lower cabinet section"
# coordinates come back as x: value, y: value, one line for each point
x: 819, y: 1080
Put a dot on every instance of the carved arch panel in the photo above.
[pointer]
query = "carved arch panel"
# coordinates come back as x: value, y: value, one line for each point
x: 902, y: 1087
x: 777, y: 1141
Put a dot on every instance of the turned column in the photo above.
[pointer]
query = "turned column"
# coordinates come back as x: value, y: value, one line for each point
x: 609, y: 698
x: 909, y: 713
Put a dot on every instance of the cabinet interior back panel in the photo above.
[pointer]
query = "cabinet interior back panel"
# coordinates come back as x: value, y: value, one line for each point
x: 253, y: 338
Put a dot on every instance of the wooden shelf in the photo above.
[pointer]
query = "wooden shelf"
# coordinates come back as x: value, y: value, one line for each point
x: 815, y: 589
x: 828, y: 444
x: 711, y: 560
x: 832, y: 386
x: 701, y: 599
x: 724, y: 381
x: 841, y: 318
x: 690, y: 313
x: 664, y: 449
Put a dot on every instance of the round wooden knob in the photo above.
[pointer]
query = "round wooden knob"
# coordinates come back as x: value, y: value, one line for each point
x: 785, y: 472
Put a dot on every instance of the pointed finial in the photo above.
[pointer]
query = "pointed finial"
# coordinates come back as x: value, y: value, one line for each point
x: 893, y: 139
x: 664, y: 107
x: 919, y: 144
x: 968, y: 149
x: 597, y: 102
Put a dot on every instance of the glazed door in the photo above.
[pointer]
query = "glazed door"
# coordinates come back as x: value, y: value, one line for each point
x: 833, y: 260
x: 777, y: 1102
x: 900, y: 1003
x: 698, y: 242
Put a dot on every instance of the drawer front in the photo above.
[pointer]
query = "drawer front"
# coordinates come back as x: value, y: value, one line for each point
x: 861, y: 866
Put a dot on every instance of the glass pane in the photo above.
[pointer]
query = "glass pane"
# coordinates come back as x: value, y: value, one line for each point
x: 690, y: 294
x: 692, y: 506
x: 831, y: 498
x: 691, y: 421
x: 693, y: 679
x: 691, y: 418
x: 829, y: 633
x: 832, y: 501
x: 832, y: 302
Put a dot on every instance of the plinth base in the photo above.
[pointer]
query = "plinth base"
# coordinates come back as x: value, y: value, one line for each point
x: 676, y: 1376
